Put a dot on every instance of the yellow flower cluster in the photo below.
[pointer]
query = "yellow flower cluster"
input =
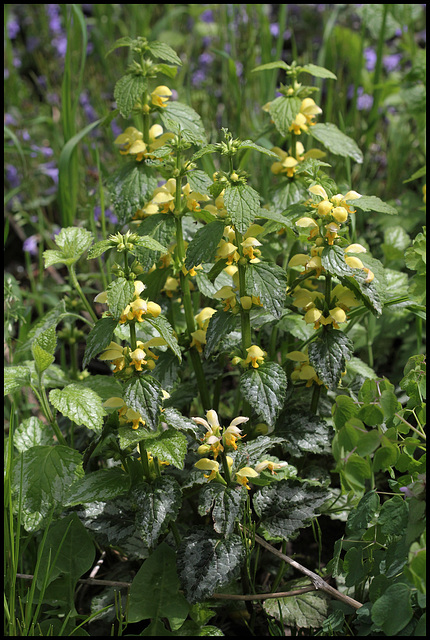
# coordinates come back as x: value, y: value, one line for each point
x: 127, y: 415
x: 137, y: 308
x: 216, y: 440
x: 306, y: 116
x: 202, y: 320
x: 163, y: 200
x: 254, y: 358
x: 288, y: 161
x: 130, y: 142
x: 123, y: 357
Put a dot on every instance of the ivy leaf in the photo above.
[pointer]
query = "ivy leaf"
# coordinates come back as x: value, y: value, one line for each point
x: 207, y: 563
x: 265, y: 389
x: 287, y: 507
x: 157, y: 505
x: 269, y: 283
x: 120, y: 292
x: 226, y: 503
x: 203, y: 246
x: 163, y: 599
x: 335, y: 141
x: 163, y: 51
x: 47, y: 474
x: 328, y: 355
x: 128, y: 90
x: 183, y: 120
x: 80, y: 404
x: 283, y: 110
x: 317, y: 71
x: 99, y: 338
x: 144, y: 395
x: 130, y: 187
x: 220, y: 325
x: 243, y: 205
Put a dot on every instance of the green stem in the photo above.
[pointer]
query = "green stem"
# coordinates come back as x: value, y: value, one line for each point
x: 245, y: 319
x: 144, y: 460
x: 40, y: 394
x: 133, y: 341
x: 315, y: 398
x: 77, y: 286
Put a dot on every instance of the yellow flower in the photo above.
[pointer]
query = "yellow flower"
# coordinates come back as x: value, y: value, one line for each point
x: 198, y: 339
x: 204, y: 317
x: 255, y: 356
x: 287, y: 163
x: 193, y: 198
x: 249, y: 248
x: 206, y: 464
x: 227, y: 294
x: 170, y: 286
x: 160, y: 96
x: 227, y: 251
x: 127, y: 138
x: 243, y: 474
x: 303, y: 371
x: 299, y: 124
x: 310, y: 109
x: 116, y: 354
x: 340, y: 214
x: 233, y: 433
x: 355, y: 248
x: 271, y: 466
x: 138, y: 358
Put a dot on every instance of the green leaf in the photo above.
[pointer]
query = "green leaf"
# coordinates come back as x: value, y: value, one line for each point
x: 343, y: 409
x: 328, y: 355
x: 125, y: 41
x: 276, y: 64
x: 335, y: 141
x: 183, y: 120
x: 130, y: 188
x: 393, y: 610
x: 202, y: 247
x: 71, y: 546
x: 248, y: 144
x: 360, y: 517
x: 220, y: 325
x: 371, y: 414
x: 144, y: 395
x: 207, y: 563
x: 41, y: 357
x: 199, y: 181
x: 318, y: 72
x: 15, y: 378
x: 146, y: 242
x: 287, y: 507
x: 47, y: 474
x: 265, y: 389
x: 173, y: 418
x: 306, y: 611
x: 243, y: 205
x: 101, y: 485
x: 157, y: 505
x: 99, y: 338
x: 165, y: 329
x: 373, y: 204
x: 128, y: 90
x: 80, y: 405
x: 356, y: 472
x: 170, y: 446
x: 154, y: 593
x: 283, y: 110
x: 269, y: 283
x: 226, y: 503
x: 163, y: 51
x: 120, y: 293
x: 393, y: 517
x: 30, y: 433
x: 72, y: 243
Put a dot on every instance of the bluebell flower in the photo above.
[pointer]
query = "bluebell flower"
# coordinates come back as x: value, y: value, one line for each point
x: 391, y: 62
x: 30, y: 245
x: 370, y: 57
x: 207, y: 16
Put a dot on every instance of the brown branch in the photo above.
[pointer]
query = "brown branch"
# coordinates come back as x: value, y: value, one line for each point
x: 317, y: 581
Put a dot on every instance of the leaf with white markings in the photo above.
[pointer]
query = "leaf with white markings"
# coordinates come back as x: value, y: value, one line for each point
x: 226, y: 503
x: 144, y: 395
x: 265, y: 389
x: 328, y: 355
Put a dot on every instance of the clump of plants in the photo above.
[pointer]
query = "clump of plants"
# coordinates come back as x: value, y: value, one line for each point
x: 218, y: 412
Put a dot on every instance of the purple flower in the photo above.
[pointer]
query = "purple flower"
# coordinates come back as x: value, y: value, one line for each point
x: 207, y: 16
x: 30, y: 245
x: 364, y: 100
x: 274, y: 29
x: 53, y: 11
x: 198, y: 78
x: 60, y: 43
x: 370, y: 56
x: 12, y: 176
x: 109, y: 215
x: 50, y: 169
x: 391, y: 62
x: 12, y: 28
